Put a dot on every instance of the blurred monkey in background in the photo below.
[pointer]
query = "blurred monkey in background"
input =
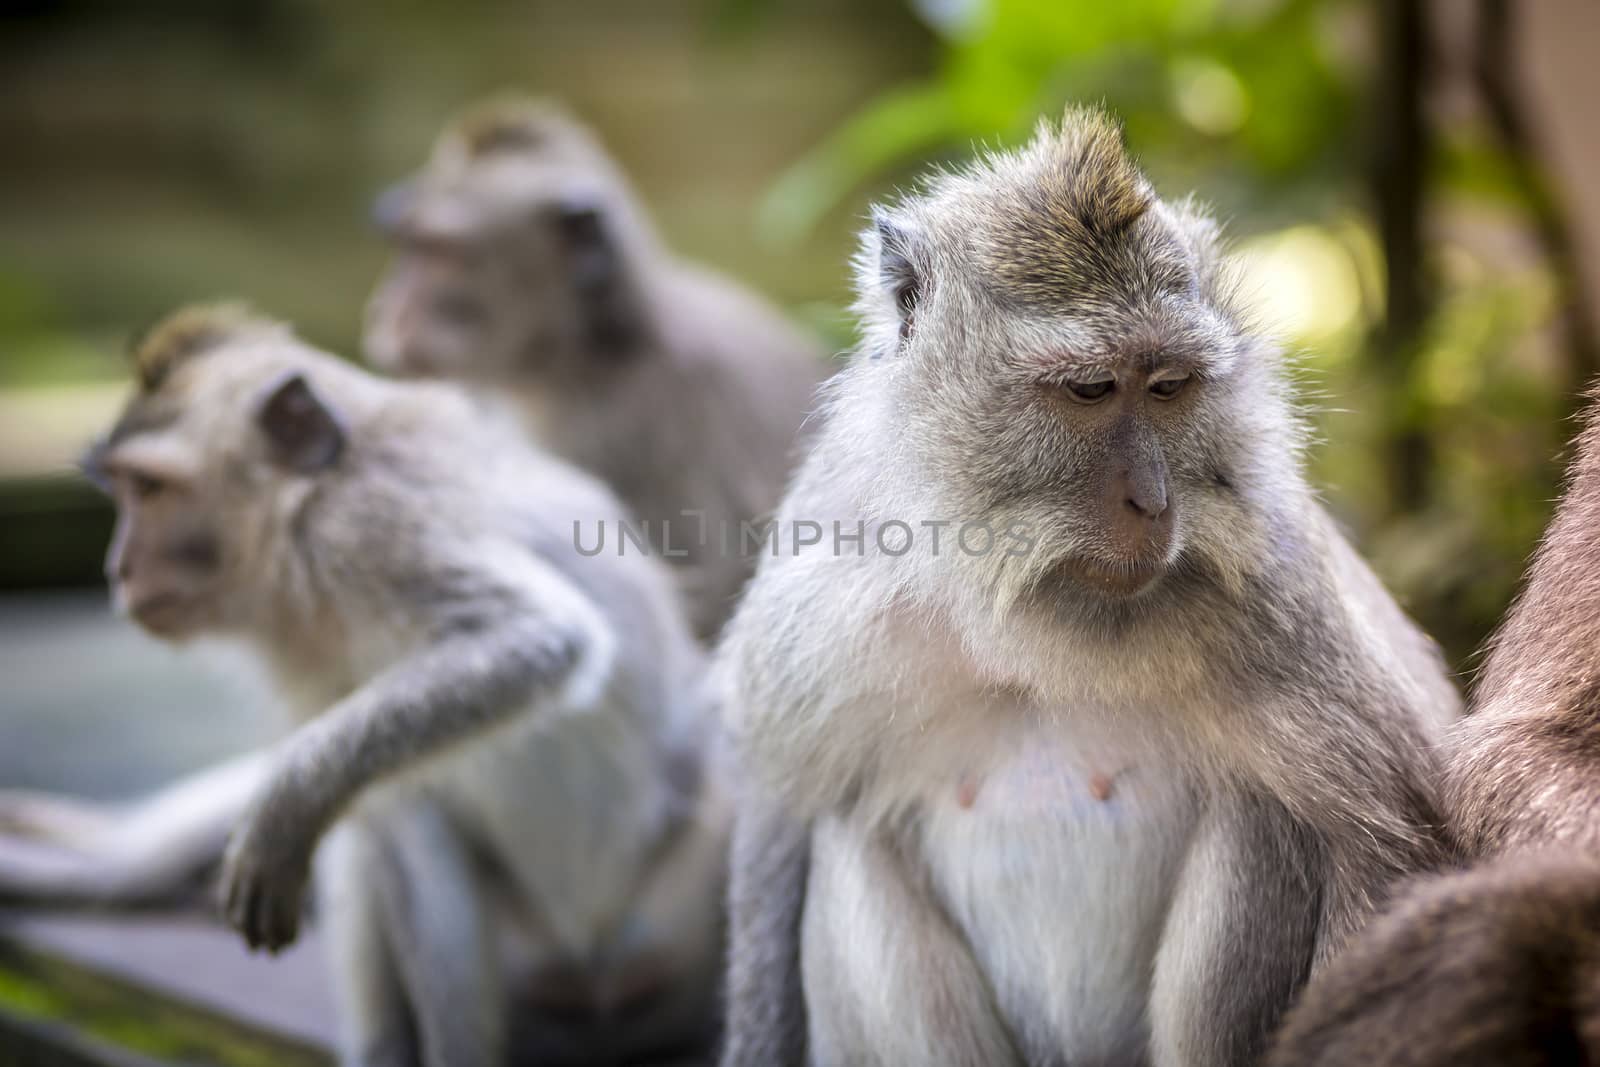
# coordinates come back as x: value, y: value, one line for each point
x: 524, y: 263
x: 499, y: 761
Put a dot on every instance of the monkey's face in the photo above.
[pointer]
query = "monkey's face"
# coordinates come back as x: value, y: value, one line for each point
x: 501, y: 271
x: 166, y: 555
x: 1098, y: 422
x: 204, y: 469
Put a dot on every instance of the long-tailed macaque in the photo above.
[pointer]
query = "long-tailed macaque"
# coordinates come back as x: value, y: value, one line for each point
x: 1075, y: 731
x: 1498, y: 964
x: 525, y: 264
x: 499, y: 764
x: 524, y: 267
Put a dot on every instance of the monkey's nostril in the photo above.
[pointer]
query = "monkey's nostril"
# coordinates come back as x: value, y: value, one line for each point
x: 1147, y: 509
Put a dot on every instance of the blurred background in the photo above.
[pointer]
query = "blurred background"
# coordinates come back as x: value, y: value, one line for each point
x: 1409, y: 186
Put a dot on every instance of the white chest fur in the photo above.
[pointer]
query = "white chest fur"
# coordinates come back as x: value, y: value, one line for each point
x: 1057, y: 862
x: 1051, y: 857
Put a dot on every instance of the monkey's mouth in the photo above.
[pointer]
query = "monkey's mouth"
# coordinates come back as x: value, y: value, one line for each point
x: 163, y: 614
x: 1121, y: 578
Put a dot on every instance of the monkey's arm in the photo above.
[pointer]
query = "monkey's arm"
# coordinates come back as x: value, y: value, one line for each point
x: 521, y: 658
x: 766, y: 1014
x: 1367, y: 792
x: 155, y: 853
x: 1239, y: 936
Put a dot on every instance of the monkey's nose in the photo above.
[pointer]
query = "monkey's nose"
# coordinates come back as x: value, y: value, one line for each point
x: 1149, y: 506
x: 1138, y: 515
x: 1143, y: 497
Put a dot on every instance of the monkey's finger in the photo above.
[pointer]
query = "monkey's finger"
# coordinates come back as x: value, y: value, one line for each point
x: 233, y: 900
x: 230, y: 888
x: 245, y: 912
x: 285, y: 923
x: 272, y: 922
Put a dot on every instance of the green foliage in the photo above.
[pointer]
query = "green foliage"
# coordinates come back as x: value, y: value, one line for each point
x: 1238, y: 102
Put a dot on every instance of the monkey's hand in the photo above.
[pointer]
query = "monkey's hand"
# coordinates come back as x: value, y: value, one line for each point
x: 264, y: 874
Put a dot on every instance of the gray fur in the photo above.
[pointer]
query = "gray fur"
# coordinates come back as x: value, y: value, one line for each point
x: 769, y: 866
x: 1103, y: 762
x: 682, y: 390
x: 489, y: 722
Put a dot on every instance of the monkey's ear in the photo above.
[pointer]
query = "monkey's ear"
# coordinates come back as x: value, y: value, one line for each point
x: 596, y: 270
x: 897, y: 271
x: 592, y: 261
x: 303, y: 434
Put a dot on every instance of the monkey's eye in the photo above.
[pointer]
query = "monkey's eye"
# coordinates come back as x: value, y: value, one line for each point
x: 1089, y: 392
x: 1167, y: 388
x: 439, y: 249
x: 458, y: 309
x: 145, y: 486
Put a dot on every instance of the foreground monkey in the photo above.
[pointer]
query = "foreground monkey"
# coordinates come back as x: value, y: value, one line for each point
x: 1500, y: 964
x: 498, y: 763
x: 525, y: 263
x: 1103, y: 776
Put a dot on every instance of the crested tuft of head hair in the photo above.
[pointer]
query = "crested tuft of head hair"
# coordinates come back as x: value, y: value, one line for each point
x: 1079, y: 191
x: 189, y: 332
x: 509, y: 123
x: 1086, y: 179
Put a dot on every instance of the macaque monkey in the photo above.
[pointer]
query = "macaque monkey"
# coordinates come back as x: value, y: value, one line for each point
x: 1498, y: 964
x: 524, y: 264
x: 1076, y: 731
x: 498, y: 768
x: 526, y: 268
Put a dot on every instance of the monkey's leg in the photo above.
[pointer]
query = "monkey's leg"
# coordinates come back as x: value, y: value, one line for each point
x: 439, y: 928
x: 375, y: 1024
x: 157, y: 852
x: 1239, y: 938
x: 889, y: 977
x: 770, y: 862
x: 671, y: 951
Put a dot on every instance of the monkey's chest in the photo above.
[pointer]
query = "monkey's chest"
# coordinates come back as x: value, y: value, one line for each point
x: 1057, y: 865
